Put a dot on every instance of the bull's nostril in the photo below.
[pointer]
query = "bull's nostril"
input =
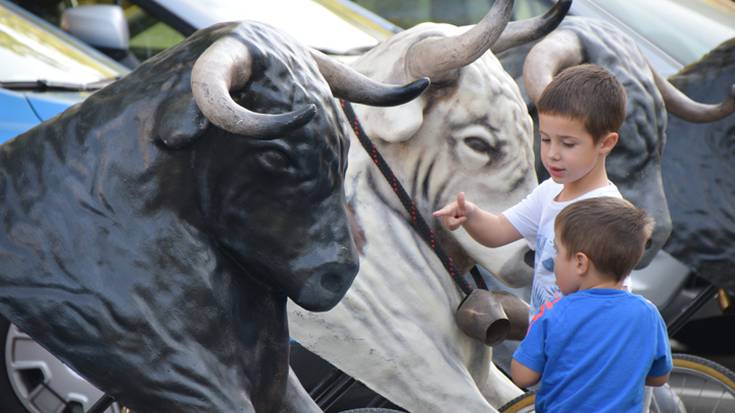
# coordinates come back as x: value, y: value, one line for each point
x: 649, y: 243
x: 331, y: 282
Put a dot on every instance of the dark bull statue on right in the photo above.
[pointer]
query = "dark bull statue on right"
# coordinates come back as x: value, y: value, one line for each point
x: 698, y: 168
x: 151, y: 234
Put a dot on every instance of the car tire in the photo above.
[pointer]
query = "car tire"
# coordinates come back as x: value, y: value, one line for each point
x: 8, y: 400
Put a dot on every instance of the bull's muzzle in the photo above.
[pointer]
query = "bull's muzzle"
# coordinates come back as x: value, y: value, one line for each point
x: 323, y: 290
x: 492, y: 317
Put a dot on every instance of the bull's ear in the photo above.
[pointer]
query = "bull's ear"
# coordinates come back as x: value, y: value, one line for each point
x: 179, y: 121
x: 394, y: 124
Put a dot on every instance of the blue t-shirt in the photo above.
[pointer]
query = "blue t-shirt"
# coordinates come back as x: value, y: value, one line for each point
x: 594, y: 349
x: 534, y: 217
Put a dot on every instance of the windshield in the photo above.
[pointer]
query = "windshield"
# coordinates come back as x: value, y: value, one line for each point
x: 29, y: 52
x: 684, y: 29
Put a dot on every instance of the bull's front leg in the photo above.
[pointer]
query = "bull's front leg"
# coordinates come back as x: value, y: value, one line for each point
x: 296, y: 399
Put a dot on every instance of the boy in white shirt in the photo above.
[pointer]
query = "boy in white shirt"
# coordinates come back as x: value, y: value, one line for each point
x: 580, y: 112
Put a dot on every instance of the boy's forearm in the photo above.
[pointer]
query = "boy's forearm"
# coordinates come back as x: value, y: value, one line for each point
x: 657, y: 381
x: 522, y: 376
x: 488, y: 229
x: 480, y: 227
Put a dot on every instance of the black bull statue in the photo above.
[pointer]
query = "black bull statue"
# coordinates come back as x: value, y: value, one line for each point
x: 151, y: 234
x: 698, y: 168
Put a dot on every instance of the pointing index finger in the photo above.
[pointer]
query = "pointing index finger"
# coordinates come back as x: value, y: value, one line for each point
x: 442, y: 212
x: 460, y: 203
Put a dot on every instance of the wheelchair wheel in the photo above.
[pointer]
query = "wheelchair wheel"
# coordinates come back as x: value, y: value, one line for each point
x: 702, y: 385
x: 521, y: 404
x: 696, y: 384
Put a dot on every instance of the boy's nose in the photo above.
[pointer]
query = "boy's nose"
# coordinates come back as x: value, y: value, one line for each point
x: 552, y: 151
x: 554, y: 154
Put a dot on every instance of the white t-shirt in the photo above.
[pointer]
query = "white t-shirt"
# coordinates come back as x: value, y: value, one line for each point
x: 534, y: 218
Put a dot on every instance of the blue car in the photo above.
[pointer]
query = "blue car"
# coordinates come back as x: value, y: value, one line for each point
x: 42, y: 72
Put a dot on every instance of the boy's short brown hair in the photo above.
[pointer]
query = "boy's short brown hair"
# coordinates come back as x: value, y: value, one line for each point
x: 612, y: 232
x: 587, y: 93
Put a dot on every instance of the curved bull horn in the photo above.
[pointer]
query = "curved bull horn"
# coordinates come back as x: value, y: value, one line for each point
x: 682, y: 106
x: 349, y: 84
x: 435, y: 56
x: 556, y: 52
x: 226, y: 65
x: 524, y: 31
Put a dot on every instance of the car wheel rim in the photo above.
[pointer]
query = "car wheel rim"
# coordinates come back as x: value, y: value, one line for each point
x: 41, y: 382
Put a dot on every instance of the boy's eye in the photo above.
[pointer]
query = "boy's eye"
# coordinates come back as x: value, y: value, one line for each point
x: 545, y: 140
x: 568, y: 144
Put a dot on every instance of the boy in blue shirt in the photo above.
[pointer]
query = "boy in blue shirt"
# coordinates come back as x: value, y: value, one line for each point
x: 595, y: 348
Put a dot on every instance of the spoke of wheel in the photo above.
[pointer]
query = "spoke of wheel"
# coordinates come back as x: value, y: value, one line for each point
x: 705, y: 382
x: 699, y: 396
x: 683, y: 382
x: 45, y: 399
x: 722, y: 394
x: 654, y: 402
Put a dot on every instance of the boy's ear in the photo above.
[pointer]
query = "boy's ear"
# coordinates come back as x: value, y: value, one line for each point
x: 581, y: 263
x: 608, y: 142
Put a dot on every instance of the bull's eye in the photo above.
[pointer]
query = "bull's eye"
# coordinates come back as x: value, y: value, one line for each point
x: 275, y: 160
x: 480, y: 145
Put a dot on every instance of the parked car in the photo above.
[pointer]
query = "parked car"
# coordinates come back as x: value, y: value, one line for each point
x: 146, y: 27
x: 43, y: 72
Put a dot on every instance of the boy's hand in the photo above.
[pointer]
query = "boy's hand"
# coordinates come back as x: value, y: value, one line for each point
x: 456, y: 213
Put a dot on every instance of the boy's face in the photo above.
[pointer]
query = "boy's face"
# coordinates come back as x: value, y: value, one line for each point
x: 568, y: 151
x: 565, y: 269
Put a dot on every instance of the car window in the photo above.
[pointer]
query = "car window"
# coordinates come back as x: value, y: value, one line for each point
x: 148, y: 34
x: 30, y: 52
x: 684, y: 29
x: 337, y: 27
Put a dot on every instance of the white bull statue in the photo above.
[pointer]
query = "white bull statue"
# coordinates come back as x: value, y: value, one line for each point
x: 395, y: 329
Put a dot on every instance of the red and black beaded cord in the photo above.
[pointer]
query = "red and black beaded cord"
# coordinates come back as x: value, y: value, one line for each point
x: 417, y: 221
